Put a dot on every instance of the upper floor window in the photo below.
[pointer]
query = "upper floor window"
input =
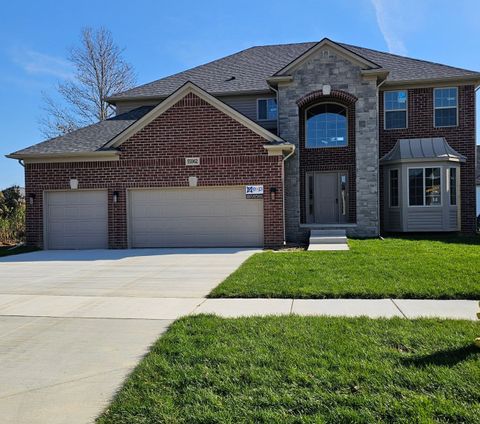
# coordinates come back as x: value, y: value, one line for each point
x: 445, y: 102
x: 395, y: 105
x: 326, y: 126
x: 267, y: 109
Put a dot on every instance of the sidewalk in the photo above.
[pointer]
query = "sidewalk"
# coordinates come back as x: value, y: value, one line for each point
x: 373, y: 308
x: 166, y: 308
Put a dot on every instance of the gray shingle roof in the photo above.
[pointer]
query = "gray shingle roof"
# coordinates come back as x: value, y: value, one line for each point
x: 418, y: 149
x: 252, y: 67
x: 88, y: 139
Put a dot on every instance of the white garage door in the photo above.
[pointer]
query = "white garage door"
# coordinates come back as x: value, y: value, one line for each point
x: 195, y: 217
x: 76, y: 219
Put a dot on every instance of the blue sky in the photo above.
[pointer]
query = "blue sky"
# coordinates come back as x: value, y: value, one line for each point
x: 164, y: 37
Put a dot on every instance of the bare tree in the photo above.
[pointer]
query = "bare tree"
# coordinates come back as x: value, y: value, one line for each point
x: 100, y: 71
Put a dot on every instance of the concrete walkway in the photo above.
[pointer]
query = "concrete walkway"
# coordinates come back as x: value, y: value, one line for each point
x: 373, y: 308
x: 173, y: 308
x: 74, y: 324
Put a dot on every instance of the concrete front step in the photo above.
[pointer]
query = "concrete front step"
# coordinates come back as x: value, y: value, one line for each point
x: 328, y: 233
x: 328, y: 240
x: 328, y: 246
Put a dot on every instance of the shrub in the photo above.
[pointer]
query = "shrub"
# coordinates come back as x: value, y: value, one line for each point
x: 12, y: 216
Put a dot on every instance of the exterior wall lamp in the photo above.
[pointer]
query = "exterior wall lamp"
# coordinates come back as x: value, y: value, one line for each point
x: 273, y: 193
x: 116, y: 195
x: 31, y: 198
x: 73, y: 183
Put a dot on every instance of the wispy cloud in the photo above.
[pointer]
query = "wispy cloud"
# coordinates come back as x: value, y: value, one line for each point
x: 37, y: 63
x: 389, y: 18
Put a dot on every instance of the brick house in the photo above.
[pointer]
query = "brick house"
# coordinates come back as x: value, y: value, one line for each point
x: 260, y: 148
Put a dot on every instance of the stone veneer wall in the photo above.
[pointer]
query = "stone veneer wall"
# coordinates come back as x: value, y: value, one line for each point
x: 328, y: 67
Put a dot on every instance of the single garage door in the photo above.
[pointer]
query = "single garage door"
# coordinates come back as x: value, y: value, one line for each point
x: 195, y: 217
x: 76, y: 219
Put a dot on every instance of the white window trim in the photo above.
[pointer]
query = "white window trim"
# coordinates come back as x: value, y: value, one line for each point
x: 390, y: 188
x: 394, y: 110
x: 445, y: 107
x: 423, y: 181
x: 305, y: 126
x: 258, y: 109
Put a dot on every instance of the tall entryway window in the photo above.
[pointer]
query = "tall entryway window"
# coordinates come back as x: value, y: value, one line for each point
x: 326, y: 197
x: 326, y: 126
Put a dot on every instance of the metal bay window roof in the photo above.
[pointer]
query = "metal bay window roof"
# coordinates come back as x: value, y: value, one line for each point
x: 422, y: 150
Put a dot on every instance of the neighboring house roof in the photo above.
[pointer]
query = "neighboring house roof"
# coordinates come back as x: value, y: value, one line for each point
x: 105, y: 136
x: 87, y: 139
x: 248, y: 70
x: 422, y: 149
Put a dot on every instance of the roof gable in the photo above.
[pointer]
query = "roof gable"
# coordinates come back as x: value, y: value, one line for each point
x: 179, y: 94
x: 339, y: 49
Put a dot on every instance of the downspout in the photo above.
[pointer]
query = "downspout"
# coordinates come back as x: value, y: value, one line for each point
x: 20, y: 161
x: 378, y: 138
x: 283, y: 167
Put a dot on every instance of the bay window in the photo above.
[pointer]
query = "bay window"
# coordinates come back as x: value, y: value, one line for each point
x: 394, y: 188
x: 453, y: 186
x: 424, y: 187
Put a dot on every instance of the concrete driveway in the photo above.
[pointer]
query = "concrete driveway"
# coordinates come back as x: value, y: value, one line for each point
x: 73, y: 324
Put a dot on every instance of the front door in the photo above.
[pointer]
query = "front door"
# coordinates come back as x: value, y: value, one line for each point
x: 326, y: 197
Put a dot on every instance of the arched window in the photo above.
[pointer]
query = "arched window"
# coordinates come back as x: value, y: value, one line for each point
x: 326, y: 126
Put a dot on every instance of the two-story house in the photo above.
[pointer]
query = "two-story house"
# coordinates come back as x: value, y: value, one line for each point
x: 259, y: 148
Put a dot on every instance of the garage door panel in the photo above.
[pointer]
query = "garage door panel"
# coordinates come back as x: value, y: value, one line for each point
x: 77, y: 219
x: 191, y: 226
x: 72, y: 213
x: 219, y: 216
x: 201, y: 208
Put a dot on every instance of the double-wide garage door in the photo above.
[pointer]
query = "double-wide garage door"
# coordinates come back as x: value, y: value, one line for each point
x: 191, y: 217
x: 195, y: 217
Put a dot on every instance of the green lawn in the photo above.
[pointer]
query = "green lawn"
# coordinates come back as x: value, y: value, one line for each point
x: 305, y: 370
x: 7, y: 250
x: 446, y: 268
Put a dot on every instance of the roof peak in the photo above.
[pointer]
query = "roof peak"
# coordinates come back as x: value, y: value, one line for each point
x: 348, y: 45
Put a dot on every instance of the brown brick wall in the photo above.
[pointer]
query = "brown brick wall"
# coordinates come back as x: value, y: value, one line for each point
x: 461, y: 138
x: 332, y: 158
x: 230, y: 154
